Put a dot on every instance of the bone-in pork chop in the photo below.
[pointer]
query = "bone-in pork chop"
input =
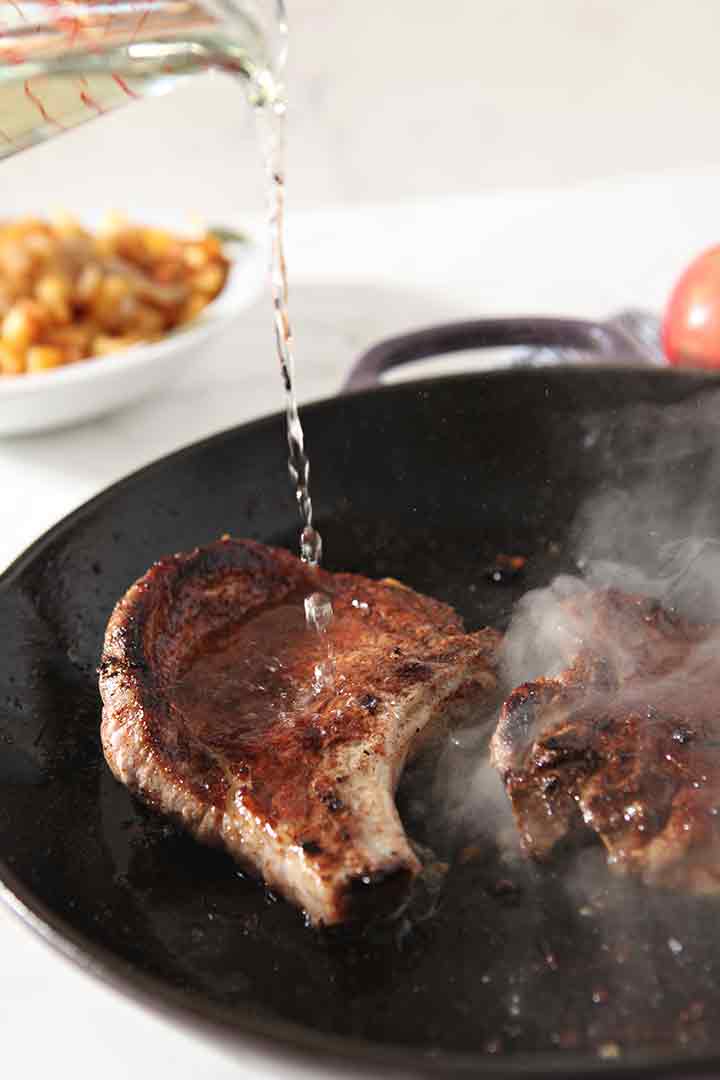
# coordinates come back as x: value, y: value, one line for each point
x: 625, y: 742
x: 211, y: 716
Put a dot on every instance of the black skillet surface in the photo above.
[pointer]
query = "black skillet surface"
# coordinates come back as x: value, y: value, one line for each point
x: 516, y: 970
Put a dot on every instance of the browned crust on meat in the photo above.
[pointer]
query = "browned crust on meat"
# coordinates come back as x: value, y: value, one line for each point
x: 293, y: 784
x: 623, y: 743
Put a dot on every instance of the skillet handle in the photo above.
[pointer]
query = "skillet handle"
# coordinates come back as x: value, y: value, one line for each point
x: 609, y: 341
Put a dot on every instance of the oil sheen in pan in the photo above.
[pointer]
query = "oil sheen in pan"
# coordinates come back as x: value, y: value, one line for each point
x: 513, y: 960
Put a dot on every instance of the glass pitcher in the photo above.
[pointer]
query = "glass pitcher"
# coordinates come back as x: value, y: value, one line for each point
x: 63, y: 62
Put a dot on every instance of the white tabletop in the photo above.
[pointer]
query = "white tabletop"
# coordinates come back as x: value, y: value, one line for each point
x: 357, y: 274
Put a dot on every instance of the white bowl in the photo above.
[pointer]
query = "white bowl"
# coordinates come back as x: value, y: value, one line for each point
x: 89, y: 388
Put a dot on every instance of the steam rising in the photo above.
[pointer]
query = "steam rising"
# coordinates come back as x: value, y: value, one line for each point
x: 650, y: 527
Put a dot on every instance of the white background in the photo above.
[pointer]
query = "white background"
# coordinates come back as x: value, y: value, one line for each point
x: 446, y: 160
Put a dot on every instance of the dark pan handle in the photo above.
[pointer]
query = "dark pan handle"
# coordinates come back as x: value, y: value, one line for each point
x: 607, y: 341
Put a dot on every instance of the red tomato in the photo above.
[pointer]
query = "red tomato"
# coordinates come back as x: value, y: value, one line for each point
x: 691, y: 326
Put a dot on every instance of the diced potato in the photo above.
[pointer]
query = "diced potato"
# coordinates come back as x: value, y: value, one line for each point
x: 43, y: 357
x: 159, y: 243
x: 15, y: 260
x: 210, y: 280
x: 74, y: 340
x: 114, y: 305
x: 192, y: 308
x: 115, y: 287
x: 88, y: 283
x: 79, y: 335
x: 196, y: 256
x: 148, y: 321
x: 7, y: 298
x: 106, y: 245
x: 130, y: 244
x: 23, y: 324
x: 169, y: 271
x: 67, y: 294
x: 39, y: 243
x: 53, y: 291
x: 11, y: 362
x: 213, y: 247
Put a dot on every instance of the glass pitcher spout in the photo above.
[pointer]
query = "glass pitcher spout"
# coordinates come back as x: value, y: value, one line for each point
x: 64, y: 63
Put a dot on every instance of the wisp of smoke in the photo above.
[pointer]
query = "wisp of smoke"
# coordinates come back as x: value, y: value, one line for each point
x: 650, y: 527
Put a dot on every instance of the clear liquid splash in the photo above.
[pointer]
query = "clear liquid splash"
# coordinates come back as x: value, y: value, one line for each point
x: 319, y: 615
x: 311, y: 546
x: 318, y: 606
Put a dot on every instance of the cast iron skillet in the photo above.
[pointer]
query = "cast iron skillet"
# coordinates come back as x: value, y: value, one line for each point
x: 426, y: 482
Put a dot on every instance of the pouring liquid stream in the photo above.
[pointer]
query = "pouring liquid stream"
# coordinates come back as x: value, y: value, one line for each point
x: 318, y: 605
x: 55, y: 76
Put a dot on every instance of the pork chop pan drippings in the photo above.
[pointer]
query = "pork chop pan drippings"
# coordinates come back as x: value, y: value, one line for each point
x: 210, y: 714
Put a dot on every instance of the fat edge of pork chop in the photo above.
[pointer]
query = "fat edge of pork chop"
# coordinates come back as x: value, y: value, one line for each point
x: 622, y: 743
x: 307, y: 802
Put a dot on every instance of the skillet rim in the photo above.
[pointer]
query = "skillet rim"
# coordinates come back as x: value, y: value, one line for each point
x: 298, y: 1044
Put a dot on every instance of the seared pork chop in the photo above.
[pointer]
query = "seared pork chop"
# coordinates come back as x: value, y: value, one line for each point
x: 212, y: 716
x: 624, y: 743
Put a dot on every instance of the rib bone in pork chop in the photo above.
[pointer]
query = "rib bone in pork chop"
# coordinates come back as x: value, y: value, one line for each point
x: 211, y: 717
x: 624, y: 742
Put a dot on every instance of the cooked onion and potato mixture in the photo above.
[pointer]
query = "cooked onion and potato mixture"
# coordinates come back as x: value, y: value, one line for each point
x: 67, y: 294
